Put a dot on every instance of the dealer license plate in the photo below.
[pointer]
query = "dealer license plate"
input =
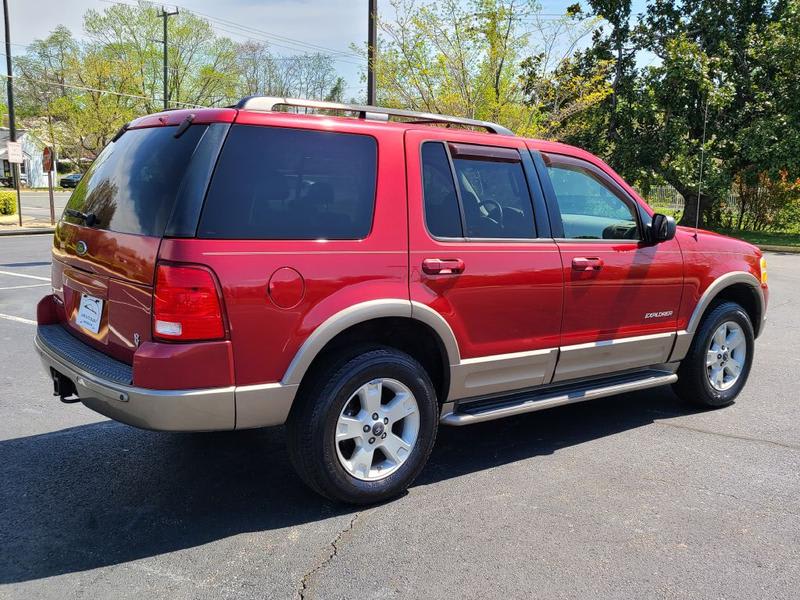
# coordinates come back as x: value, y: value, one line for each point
x: 90, y: 312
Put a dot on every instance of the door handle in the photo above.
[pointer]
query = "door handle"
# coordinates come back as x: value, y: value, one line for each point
x: 587, y: 264
x: 443, y: 266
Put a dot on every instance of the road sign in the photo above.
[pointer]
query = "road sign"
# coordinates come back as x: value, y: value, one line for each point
x: 47, y: 159
x: 14, y: 150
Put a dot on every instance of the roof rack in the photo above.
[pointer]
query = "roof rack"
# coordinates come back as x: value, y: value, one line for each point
x: 373, y: 113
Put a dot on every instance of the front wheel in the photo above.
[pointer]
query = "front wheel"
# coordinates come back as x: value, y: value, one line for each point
x: 363, y: 428
x: 718, y: 363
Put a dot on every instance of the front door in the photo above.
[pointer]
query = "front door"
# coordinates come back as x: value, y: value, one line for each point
x: 481, y: 255
x: 621, y: 293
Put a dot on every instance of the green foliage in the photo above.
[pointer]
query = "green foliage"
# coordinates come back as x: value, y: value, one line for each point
x: 8, y: 202
x: 76, y: 95
x: 468, y: 59
x: 722, y: 83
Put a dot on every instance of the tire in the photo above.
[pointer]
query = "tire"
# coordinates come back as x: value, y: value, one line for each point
x: 340, y: 390
x: 694, y: 374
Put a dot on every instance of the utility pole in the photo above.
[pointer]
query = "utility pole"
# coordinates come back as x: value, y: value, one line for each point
x: 12, y: 127
x: 165, y: 15
x: 372, y: 51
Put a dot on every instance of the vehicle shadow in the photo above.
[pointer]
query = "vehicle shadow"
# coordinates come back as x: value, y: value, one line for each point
x: 105, y: 493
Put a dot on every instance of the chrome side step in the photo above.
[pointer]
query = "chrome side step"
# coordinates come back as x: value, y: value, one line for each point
x: 476, y: 411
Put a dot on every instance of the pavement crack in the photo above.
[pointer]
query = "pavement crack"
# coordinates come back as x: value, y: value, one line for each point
x: 732, y: 436
x: 305, y: 582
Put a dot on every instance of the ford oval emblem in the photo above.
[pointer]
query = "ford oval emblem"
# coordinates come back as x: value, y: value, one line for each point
x: 81, y: 248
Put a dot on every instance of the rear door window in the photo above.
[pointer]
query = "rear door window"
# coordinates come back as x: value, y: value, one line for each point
x: 276, y: 183
x: 132, y: 185
x: 442, y: 215
x: 475, y: 192
x: 494, y: 194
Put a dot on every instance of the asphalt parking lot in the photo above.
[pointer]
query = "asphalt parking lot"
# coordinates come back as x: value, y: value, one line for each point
x: 636, y: 496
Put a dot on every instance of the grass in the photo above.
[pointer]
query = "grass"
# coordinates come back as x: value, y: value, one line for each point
x: 759, y: 238
x: 762, y: 238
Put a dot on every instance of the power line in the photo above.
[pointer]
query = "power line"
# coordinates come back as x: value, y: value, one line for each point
x: 98, y: 90
x: 271, y: 43
x: 250, y: 29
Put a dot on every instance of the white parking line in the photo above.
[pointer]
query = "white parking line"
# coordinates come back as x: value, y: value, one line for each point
x: 24, y: 275
x: 23, y: 287
x: 17, y: 319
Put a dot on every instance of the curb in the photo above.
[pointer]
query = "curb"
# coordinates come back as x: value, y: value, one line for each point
x: 771, y: 248
x: 31, y: 231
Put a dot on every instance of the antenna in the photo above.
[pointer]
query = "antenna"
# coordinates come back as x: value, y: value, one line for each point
x: 700, y: 181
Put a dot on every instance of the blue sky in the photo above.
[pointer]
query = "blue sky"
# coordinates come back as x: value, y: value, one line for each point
x: 332, y: 24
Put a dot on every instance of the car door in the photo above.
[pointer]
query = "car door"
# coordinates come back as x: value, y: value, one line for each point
x: 481, y: 256
x: 621, y: 293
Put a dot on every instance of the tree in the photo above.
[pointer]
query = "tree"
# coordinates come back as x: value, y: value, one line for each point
x: 41, y: 75
x: 76, y: 95
x: 710, y: 93
x: 202, y: 66
x: 467, y: 58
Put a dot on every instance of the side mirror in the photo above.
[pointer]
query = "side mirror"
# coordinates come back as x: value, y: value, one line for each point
x: 662, y: 228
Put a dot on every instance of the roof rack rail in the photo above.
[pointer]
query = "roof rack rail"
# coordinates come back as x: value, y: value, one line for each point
x: 374, y: 113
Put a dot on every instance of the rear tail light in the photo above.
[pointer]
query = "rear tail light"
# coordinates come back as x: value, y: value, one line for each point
x: 187, y: 304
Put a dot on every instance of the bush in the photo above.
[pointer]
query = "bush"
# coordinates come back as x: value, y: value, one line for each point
x: 8, y: 202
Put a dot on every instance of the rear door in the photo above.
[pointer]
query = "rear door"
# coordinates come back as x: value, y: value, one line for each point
x: 482, y: 257
x: 621, y: 293
x: 107, y: 242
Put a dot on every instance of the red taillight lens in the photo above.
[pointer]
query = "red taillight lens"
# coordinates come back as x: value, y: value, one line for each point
x: 187, y: 305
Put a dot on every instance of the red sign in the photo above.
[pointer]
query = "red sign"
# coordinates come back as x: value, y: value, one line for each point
x: 47, y: 159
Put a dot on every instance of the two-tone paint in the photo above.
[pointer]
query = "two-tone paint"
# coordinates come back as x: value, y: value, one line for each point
x: 515, y: 315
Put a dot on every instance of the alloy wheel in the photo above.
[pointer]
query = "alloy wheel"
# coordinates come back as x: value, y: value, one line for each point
x: 377, y: 429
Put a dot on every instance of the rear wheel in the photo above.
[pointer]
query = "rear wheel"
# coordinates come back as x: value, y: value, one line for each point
x: 718, y: 363
x: 363, y: 428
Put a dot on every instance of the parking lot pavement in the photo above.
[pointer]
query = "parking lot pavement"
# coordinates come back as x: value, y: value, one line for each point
x: 36, y: 203
x: 635, y: 496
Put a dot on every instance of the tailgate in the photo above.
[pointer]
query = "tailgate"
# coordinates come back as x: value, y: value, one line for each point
x: 116, y: 269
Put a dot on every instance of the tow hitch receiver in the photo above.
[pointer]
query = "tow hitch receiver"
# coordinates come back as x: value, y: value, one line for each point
x: 64, y: 388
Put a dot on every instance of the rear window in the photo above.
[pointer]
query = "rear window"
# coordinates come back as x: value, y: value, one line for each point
x: 132, y: 185
x: 276, y: 183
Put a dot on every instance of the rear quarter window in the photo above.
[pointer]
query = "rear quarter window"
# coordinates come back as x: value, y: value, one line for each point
x: 276, y: 183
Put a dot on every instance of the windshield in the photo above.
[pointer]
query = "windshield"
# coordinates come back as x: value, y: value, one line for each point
x: 132, y: 185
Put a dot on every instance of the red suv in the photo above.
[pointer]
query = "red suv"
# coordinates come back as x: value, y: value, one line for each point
x: 363, y: 280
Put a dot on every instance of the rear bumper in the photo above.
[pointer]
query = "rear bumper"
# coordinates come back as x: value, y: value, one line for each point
x: 102, y: 388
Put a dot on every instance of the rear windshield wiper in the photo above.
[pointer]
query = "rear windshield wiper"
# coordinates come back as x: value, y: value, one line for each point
x: 185, y: 125
x: 119, y: 133
x: 89, y: 219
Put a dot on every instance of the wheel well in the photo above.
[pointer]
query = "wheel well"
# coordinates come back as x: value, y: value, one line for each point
x: 413, y: 337
x: 745, y: 296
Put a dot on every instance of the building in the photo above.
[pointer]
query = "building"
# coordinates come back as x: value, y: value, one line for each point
x: 31, y: 170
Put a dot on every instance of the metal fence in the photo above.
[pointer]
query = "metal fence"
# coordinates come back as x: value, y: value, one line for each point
x: 667, y: 197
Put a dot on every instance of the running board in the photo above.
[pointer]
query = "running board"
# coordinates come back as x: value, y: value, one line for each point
x: 477, y: 411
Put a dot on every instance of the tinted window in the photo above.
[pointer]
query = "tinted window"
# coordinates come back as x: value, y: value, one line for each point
x: 495, y: 197
x: 132, y: 185
x: 442, y: 215
x: 273, y: 183
x: 589, y: 208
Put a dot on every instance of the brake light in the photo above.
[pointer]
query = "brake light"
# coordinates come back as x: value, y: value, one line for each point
x: 187, y: 304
